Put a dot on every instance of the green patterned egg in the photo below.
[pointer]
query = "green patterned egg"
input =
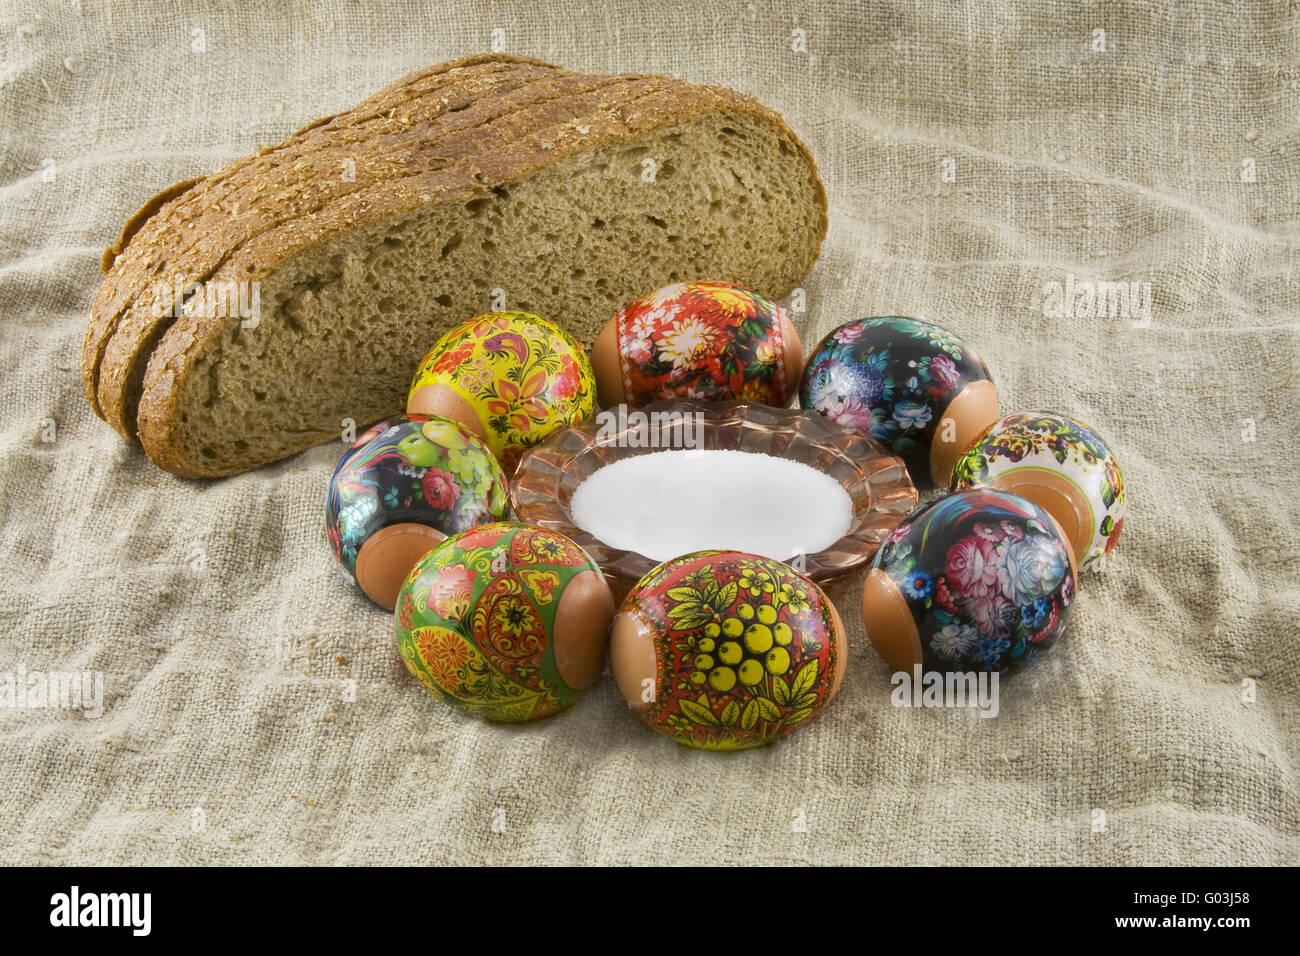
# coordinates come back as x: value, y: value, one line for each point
x: 506, y: 621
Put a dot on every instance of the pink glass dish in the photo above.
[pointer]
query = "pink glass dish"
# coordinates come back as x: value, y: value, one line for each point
x: 876, y: 481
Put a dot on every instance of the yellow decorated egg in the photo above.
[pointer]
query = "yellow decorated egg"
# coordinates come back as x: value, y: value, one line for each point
x: 511, y: 378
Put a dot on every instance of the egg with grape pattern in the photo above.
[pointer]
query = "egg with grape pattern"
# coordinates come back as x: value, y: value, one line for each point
x: 722, y: 650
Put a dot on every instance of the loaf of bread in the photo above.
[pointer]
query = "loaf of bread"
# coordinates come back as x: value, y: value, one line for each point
x: 250, y: 314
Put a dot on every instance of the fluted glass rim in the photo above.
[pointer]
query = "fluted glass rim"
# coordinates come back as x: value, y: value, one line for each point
x: 877, y: 481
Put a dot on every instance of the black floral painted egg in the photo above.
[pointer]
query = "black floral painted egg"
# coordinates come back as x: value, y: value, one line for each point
x: 914, y: 387
x: 403, y: 487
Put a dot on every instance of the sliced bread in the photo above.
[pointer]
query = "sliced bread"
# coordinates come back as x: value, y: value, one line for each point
x: 489, y: 182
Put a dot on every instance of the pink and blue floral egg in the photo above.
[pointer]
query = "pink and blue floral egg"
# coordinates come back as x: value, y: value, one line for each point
x: 911, y: 385
x: 980, y: 580
x: 403, y: 487
x: 1062, y: 465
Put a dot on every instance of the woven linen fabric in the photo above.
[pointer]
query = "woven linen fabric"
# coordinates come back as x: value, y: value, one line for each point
x: 254, y: 706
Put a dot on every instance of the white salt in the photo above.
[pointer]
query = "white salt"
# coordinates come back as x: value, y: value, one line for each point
x: 669, y: 503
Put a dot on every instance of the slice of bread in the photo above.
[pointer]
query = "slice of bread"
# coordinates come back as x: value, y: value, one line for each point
x: 488, y: 182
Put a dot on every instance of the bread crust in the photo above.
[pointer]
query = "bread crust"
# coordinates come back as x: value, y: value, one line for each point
x: 441, y: 135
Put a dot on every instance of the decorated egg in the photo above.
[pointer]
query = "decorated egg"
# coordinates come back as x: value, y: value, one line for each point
x: 505, y: 620
x: 979, y: 580
x: 712, y: 341
x: 402, y: 487
x: 723, y: 650
x: 1059, y: 464
x: 511, y: 378
x: 912, y: 386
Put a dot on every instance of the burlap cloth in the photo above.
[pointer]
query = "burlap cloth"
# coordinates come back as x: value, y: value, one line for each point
x: 972, y: 156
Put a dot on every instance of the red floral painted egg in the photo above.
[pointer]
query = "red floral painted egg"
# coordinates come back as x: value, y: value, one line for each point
x: 712, y: 341
x: 723, y: 651
x: 506, y: 621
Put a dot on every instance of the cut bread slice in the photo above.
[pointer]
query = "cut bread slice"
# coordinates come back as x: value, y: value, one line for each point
x: 490, y: 182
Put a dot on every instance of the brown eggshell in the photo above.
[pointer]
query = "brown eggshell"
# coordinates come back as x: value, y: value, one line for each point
x: 792, y: 346
x: 605, y: 363
x: 581, y: 630
x: 841, y: 650
x: 972, y: 412
x: 387, y: 557
x: 444, y: 402
x: 889, y: 622
x: 632, y: 658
